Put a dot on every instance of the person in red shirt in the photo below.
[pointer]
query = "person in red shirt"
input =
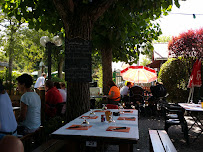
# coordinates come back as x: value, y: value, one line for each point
x: 52, y: 99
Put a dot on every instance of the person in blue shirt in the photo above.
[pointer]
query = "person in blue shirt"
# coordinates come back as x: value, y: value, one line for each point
x: 8, y: 124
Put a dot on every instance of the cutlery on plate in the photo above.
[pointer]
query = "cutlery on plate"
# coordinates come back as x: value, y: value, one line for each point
x: 118, y: 128
x: 75, y: 127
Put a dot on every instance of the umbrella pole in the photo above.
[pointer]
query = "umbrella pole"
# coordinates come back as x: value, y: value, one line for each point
x: 190, y: 94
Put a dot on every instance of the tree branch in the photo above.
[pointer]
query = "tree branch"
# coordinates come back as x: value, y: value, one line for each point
x: 64, y: 7
x: 99, y: 7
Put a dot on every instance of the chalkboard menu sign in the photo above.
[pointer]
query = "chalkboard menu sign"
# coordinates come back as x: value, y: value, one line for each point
x: 78, y: 60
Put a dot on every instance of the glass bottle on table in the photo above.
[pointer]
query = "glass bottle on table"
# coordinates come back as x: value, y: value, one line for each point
x: 104, y: 107
x: 120, y: 108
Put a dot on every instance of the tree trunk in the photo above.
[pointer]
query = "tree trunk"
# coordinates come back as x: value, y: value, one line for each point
x: 107, y: 68
x: 78, y: 20
x: 10, y: 69
x: 60, y: 67
x: 78, y: 93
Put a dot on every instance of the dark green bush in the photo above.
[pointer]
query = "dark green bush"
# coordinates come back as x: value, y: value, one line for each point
x: 175, y: 76
x: 57, y: 79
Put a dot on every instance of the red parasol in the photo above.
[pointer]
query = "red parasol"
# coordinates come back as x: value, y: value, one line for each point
x: 139, y: 74
x: 195, y: 78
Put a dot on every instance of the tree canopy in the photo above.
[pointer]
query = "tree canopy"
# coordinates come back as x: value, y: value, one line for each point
x: 78, y: 17
x: 187, y: 44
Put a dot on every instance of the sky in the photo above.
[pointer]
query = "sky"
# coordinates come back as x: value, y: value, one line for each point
x: 181, y: 19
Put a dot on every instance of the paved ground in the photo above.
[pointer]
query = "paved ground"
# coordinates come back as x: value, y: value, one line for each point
x: 175, y: 134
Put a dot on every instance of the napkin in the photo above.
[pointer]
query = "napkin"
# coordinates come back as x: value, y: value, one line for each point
x: 129, y: 111
x: 127, y: 118
x: 110, y: 128
x: 78, y: 127
x: 89, y: 117
x: 99, y: 111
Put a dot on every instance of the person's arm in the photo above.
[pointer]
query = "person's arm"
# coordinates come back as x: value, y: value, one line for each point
x: 111, y: 95
x: 23, y: 112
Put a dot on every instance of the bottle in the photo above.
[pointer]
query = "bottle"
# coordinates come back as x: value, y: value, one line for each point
x: 102, y: 118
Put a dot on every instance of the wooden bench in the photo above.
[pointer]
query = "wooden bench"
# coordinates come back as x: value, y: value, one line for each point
x: 52, y: 145
x: 160, y: 141
x: 36, y: 137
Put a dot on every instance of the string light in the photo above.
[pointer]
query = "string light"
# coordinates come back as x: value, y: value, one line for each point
x: 194, y: 15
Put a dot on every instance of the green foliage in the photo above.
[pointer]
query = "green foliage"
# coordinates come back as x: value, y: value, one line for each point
x: 175, y: 76
x: 163, y: 39
x: 145, y: 61
x: 4, y: 77
x: 3, y: 74
x: 57, y: 79
x: 99, y: 78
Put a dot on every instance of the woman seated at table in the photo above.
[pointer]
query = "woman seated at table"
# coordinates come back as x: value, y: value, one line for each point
x: 8, y: 124
x: 52, y: 99
x: 114, y: 93
x: 30, y: 113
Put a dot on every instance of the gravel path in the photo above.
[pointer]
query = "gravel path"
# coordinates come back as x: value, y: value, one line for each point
x: 175, y: 134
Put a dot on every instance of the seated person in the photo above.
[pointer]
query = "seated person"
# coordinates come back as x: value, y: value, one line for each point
x: 52, y: 98
x: 125, y: 91
x: 30, y: 113
x: 63, y: 86
x: 62, y: 91
x: 8, y: 124
x: 11, y: 144
x: 114, y: 93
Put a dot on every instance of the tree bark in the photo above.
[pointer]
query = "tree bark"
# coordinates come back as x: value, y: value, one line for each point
x: 107, y: 68
x: 78, y: 94
x: 60, y: 67
x: 78, y: 20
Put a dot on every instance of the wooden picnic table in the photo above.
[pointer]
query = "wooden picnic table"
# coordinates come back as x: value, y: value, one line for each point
x: 98, y: 132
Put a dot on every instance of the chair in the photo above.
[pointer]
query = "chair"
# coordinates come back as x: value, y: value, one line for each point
x: 112, y: 106
x: 137, y: 97
x: 174, y: 115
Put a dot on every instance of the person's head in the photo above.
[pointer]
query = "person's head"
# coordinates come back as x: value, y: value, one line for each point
x: 111, y: 83
x: 129, y: 84
x: 48, y: 85
x: 25, y: 81
x: 1, y: 87
x: 44, y: 75
x: 63, y: 85
x: 11, y: 143
x: 57, y: 85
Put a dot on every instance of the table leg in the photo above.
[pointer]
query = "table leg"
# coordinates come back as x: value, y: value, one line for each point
x: 198, y: 123
x: 123, y: 147
x: 72, y: 146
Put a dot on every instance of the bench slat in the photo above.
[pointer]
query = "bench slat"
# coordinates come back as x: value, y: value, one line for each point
x: 169, y: 147
x: 156, y: 142
x: 52, y: 145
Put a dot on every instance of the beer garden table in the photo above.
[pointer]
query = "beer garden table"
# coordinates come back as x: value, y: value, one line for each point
x: 97, y: 133
x: 194, y: 110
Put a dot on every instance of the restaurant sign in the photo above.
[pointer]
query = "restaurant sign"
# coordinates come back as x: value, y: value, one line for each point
x: 78, y: 60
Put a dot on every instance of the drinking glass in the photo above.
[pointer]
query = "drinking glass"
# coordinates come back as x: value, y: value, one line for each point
x: 120, y: 108
x: 92, y: 114
x: 85, y: 122
x: 104, y: 107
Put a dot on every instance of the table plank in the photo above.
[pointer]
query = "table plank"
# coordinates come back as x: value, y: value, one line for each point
x: 168, y: 145
x: 98, y: 129
x: 155, y: 140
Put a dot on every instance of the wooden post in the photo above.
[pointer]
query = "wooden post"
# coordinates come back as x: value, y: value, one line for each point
x: 42, y: 96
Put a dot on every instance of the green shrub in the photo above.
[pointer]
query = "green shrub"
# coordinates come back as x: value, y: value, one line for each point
x: 175, y: 76
x: 57, y: 79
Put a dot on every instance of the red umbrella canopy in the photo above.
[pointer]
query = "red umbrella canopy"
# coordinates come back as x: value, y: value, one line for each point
x: 195, y: 77
x: 139, y: 74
